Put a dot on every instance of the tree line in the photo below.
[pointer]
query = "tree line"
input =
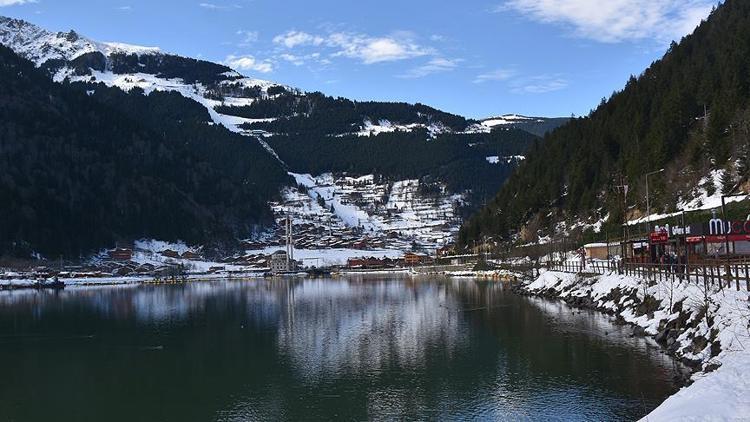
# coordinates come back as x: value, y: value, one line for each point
x: 83, y: 166
x: 687, y: 113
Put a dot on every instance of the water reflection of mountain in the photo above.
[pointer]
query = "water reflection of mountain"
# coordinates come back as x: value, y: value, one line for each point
x: 151, y: 304
x: 338, y: 328
x: 354, y: 348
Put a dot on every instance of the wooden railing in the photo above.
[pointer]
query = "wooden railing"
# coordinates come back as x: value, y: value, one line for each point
x: 723, y: 274
x: 596, y: 267
x: 735, y: 273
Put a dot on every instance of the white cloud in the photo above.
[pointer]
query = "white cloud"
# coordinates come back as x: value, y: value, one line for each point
x: 248, y: 37
x: 617, y: 20
x: 299, y: 60
x: 291, y: 58
x: 214, y: 6
x: 367, y: 49
x: 4, y: 3
x: 495, y: 75
x: 291, y: 39
x: 248, y: 62
x: 376, y: 50
x: 125, y: 8
x: 540, y: 84
x: 436, y: 65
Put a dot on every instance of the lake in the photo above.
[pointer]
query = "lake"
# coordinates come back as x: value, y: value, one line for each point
x: 342, y: 349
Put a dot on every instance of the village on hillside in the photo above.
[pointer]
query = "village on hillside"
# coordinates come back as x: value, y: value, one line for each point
x: 325, y: 223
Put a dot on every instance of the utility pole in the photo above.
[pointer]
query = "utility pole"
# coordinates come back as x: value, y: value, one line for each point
x: 648, y: 200
x: 286, y: 239
x: 687, y: 249
x: 291, y: 238
x: 289, y: 243
x: 726, y: 241
x: 623, y: 187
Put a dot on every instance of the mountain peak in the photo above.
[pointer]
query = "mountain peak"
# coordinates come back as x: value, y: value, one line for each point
x: 71, y: 36
x: 40, y: 45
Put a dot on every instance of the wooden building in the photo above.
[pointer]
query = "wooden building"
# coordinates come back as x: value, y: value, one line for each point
x: 120, y: 254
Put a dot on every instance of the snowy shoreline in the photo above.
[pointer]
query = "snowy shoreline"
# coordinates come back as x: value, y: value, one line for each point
x: 702, y: 326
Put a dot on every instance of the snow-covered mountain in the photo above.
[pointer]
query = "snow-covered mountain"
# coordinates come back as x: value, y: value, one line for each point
x: 264, y: 110
x: 537, y: 125
x: 73, y: 57
x: 41, y: 46
x: 509, y: 119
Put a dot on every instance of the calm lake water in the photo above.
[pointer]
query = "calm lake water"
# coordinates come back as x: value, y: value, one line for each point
x: 344, y: 349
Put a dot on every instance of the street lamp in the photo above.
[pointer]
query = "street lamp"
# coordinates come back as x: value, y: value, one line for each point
x: 648, y: 200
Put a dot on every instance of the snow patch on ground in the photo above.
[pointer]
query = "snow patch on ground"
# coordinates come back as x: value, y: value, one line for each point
x: 698, y: 199
x: 370, y: 128
x: 118, y: 47
x: 510, y: 159
x: 507, y: 119
x: 721, y: 395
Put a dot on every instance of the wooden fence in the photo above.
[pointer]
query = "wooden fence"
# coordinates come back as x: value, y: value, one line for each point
x: 723, y: 274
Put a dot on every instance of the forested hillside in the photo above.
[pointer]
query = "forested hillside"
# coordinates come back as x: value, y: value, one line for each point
x: 314, y: 133
x: 459, y: 160
x: 316, y: 113
x: 538, y: 126
x: 83, y: 166
x: 687, y: 113
x: 191, y: 147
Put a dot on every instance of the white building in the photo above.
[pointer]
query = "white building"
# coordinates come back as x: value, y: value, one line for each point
x: 280, y: 262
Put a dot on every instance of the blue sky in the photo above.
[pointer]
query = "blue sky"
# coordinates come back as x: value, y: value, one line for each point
x: 476, y: 58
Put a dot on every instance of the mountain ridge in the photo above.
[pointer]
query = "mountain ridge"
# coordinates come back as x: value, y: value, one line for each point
x: 48, y: 50
x: 448, y: 155
x: 538, y: 126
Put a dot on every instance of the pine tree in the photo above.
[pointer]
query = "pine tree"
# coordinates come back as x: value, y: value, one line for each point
x: 727, y: 182
x: 743, y: 163
x: 656, y: 121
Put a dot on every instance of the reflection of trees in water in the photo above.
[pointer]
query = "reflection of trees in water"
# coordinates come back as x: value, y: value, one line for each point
x: 334, y: 328
x: 153, y: 304
x: 577, y: 347
x: 358, y: 348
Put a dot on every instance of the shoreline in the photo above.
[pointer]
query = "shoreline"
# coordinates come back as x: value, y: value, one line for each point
x: 707, y: 331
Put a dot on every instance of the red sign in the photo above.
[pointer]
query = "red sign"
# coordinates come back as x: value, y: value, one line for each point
x: 694, y: 239
x: 730, y: 238
x: 659, y: 237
